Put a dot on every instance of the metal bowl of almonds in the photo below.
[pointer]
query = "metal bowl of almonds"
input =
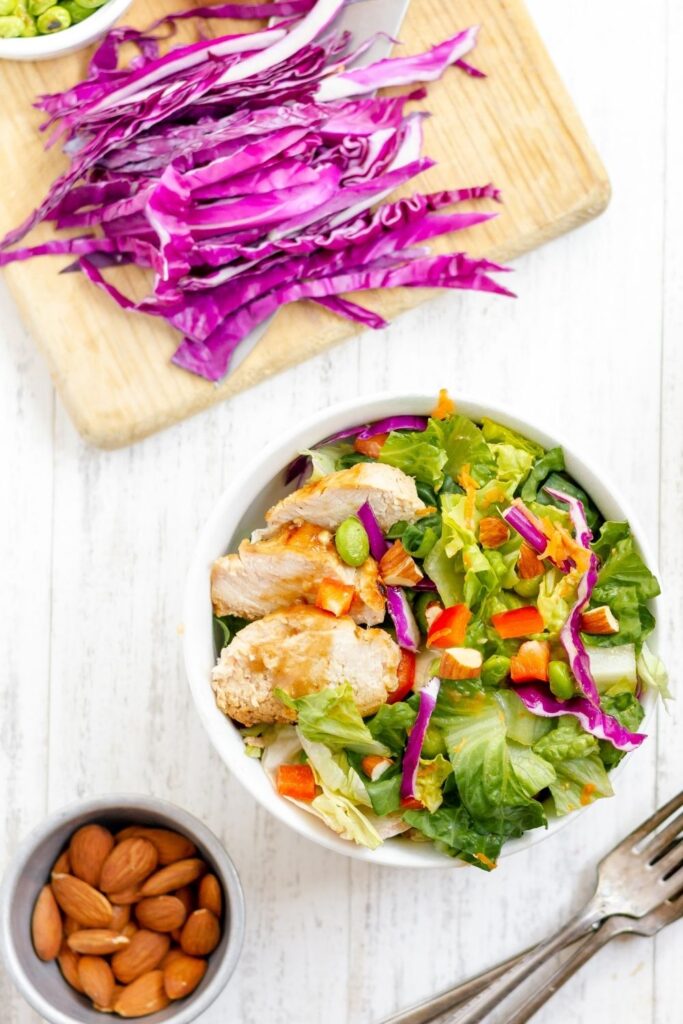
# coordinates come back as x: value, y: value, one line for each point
x: 125, y: 905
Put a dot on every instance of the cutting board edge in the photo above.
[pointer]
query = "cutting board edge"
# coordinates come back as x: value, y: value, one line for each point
x: 97, y: 431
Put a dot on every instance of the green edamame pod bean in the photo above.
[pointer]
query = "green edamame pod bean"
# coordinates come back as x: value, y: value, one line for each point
x: 560, y: 680
x: 495, y: 669
x: 352, y: 542
x: 76, y: 12
x: 28, y: 24
x: 38, y: 7
x: 91, y: 5
x: 528, y: 588
x: 7, y: 7
x: 11, y: 27
x: 54, y: 19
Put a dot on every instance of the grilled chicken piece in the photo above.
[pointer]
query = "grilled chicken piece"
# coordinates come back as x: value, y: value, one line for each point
x: 328, y: 502
x: 302, y: 650
x: 287, y: 567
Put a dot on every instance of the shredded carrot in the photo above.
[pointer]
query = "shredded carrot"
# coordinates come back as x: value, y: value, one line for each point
x: 444, y: 407
x: 587, y: 793
x: 493, y: 494
x: 483, y: 859
x: 561, y: 546
x: 470, y: 487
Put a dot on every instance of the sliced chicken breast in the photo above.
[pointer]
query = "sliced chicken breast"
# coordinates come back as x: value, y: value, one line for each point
x: 302, y: 650
x: 327, y: 502
x: 287, y: 567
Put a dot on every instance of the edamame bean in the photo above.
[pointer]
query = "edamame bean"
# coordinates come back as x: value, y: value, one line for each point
x: 560, y: 680
x: 76, y: 12
x: 7, y: 7
x: 54, y: 19
x: 352, y: 542
x: 528, y: 588
x: 10, y: 27
x: 91, y: 4
x: 495, y: 669
x: 38, y: 7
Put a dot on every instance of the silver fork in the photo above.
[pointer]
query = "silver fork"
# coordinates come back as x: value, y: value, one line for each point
x: 632, y: 880
x: 660, y: 917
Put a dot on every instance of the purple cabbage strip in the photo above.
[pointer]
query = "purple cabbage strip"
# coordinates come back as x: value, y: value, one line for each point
x: 378, y: 545
x: 515, y: 517
x: 417, y: 423
x: 407, y: 630
x: 411, y: 757
x: 352, y: 311
x: 541, y: 702
x: 570, y: 634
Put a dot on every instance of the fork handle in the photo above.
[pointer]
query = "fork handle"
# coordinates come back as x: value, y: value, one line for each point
x: 579, y: 956
x: 428, y: 1010
x: 482, y: 1004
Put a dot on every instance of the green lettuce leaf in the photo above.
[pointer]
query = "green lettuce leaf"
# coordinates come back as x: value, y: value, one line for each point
x: 553, y: 601
x: 224, y: 629
x: 417, y: 538
x: 512, y: 464
x: 579, y: 782
x: 565, y: 741
x: 464, y: 445
x: 551, y: 462
x: 496, y: 433
x: 344, y: 818
x: 441, y: 569
x: 324, y: 460
x: 625, y: 568
x: 454, y: 832
x: 561, y: 482
x: 652, y: 671
x: 628, y: 711
x: 389, y: 726
x: 331, y: 717
x: 532, y: 772
x: 431, y: 775
x: 635, y: 619
x: 608, y: 538
x: 333, y: 771
x: 521, y: 725
x: 413, y: 452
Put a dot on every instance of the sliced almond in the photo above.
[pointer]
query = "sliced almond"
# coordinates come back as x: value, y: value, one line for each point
x: 460, y: 663
x: 80, y: 901
x: 161, y: 913
x: 62, y: 865
x: 68, y: 965
x: 128, y: 864
x: 46, y: 925
x: 397, y: 568
x: 210, y: 895
x: 201, y: 933
x: 120, y: 917
x: 145, y: 952
x: 599, y: 621
x: 88, y: 850
x: 171, y: 846
x: 529, y: 565
x: 97, y: 941
x: 182, y: 976
x: 183, y: 872
x: 493, y: 532
x: 97, y: 980
x: 144, y: 995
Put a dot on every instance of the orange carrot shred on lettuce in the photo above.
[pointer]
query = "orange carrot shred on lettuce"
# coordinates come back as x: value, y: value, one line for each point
x: 444, y: 407
x: 470, y: 487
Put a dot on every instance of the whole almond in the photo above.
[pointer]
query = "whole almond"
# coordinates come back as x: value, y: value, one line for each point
x: 120, y: 917
x: 117, y: 990
x: 46, y: 925
x: 211, y: 895
x: 97, y: 941
x: 89, y: 848
x: 80, y: 901
x: 97, y: 979
x: 186, y: 897
x: 144, y: 995
x: 201, y: 933
x: 161, y: 913
x: 171, y: 846
x: 183, y: 975
x: 172, y: 955
x: 62, y: 865
x: 68, y: 965
x: 145, y: 952
x: 125, y: 897
x: 183, y: 872
x: 127, y: 864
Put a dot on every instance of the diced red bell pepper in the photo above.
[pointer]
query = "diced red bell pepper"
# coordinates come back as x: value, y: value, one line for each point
x: 448, y: 630
x: 406, y: 677
x: 296, y: 781
x: 530, y: 664
x: 411, y: 803
x: 334, y: 597
x: 518, y: 622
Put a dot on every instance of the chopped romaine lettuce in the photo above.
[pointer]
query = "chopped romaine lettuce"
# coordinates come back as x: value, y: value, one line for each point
x: 332, y: 717
x: 579, y: 782
x: 412, y: 452
x: 652, y: 671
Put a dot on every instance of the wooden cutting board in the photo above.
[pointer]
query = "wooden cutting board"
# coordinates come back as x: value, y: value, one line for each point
x: 517, y: 128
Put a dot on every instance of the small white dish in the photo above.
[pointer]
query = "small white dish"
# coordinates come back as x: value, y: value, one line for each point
x: 241, y: 509
x: 69, y: 40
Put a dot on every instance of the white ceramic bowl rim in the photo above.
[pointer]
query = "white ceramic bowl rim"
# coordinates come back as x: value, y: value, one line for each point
x: 70, y: 39
x: 226, y: 524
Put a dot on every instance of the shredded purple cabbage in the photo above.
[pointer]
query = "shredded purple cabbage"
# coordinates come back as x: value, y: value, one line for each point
x: 411, y: 757
x: 515, y: 517
x: 541, y: 702
x: 249, y: 171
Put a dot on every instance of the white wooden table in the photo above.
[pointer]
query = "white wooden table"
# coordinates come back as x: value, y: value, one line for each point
x: 95, y: 547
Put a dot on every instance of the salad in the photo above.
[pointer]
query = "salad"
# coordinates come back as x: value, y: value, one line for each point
x: 436, y: 635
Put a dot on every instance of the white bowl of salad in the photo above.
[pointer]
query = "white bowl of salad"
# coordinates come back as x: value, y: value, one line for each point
x: 421, y: 632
